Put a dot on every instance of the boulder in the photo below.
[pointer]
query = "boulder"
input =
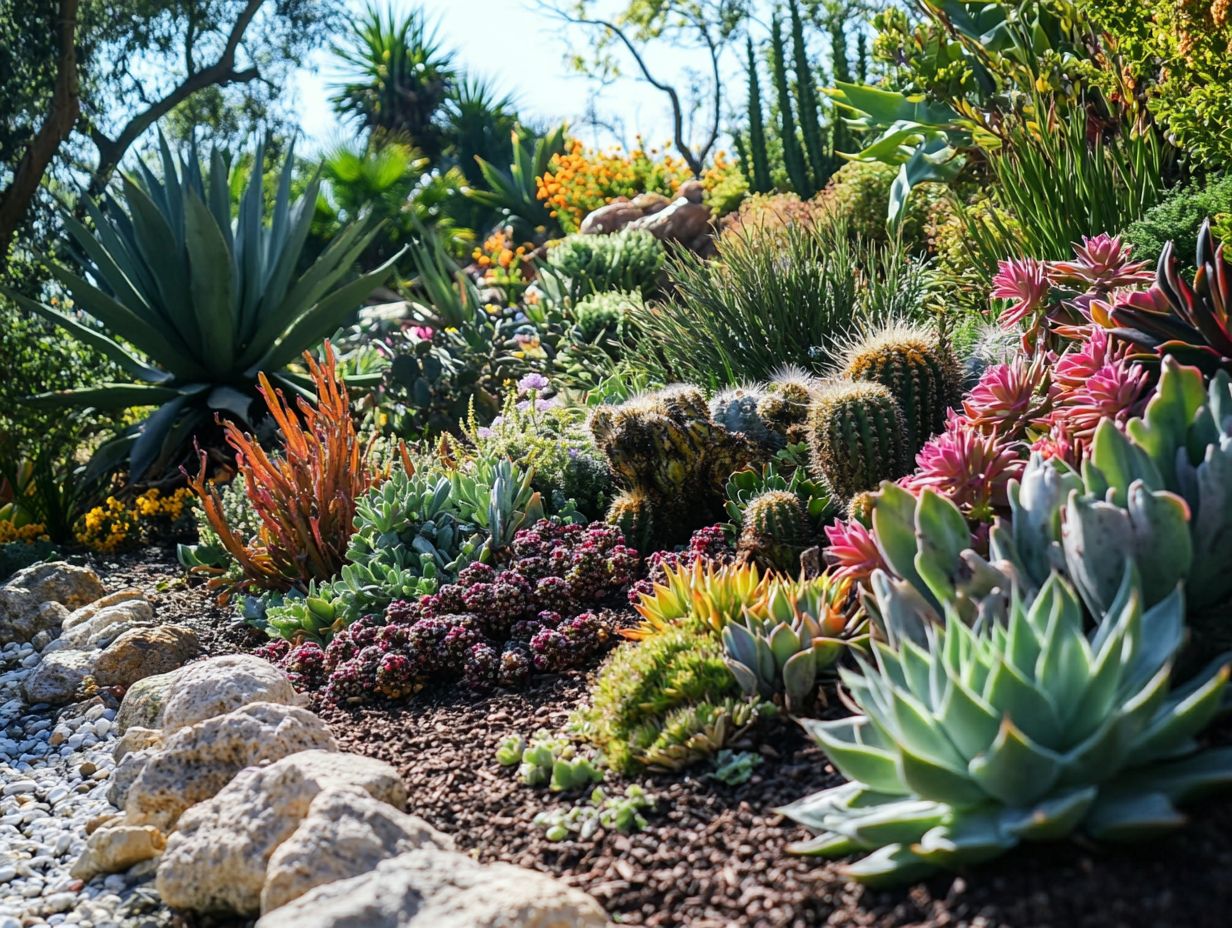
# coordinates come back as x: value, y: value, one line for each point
x: 196, y: 762
x: 103, y: 625
x: 648, y: 203
x: 221, y: 685
x: 136, y: 739
x: 143, y: 702
x: 145, y: 652
x: 346, y: 833
x: 610, y: 218
x: 59, y: 677
x: 116, y: 847
x: 429, y: 888
x: 89, y: 611
x: 216, y: 861
x: 691, y: 190
x: 24, y: 593
x: 684, y: 221
x: 128, y: 767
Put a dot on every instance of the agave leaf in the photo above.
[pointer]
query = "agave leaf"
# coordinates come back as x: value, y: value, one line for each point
x: 1132, y: 816
x: 856, y: 756
x: 108, y: 396
x: 826, y: 844
x: 936, y: 781
x: 1017, y: 698
x: 1052, y: 819
x: 1015, y: 770
x: 892, y: 823
x: 210, y: 273
x: 889, y: 866
x: 1184, y: 779
x: 1181, y: 720
x: 967, y: 720
x: 973, y: 836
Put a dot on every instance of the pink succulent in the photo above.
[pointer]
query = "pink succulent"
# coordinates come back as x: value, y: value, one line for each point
x: 1114, y: 391
x: 972, y: 468
x: 852, y: 551
x: 1025, y: 282
x: 1097, y: 347
x: 1058, y: 443
x: 1007, y: 397
x: 1101, y: 263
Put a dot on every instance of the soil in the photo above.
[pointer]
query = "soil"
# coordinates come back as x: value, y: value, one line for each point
x: 714, y: 855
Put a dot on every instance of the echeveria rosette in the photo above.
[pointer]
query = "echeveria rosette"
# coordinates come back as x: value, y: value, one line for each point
x: 984, y: 737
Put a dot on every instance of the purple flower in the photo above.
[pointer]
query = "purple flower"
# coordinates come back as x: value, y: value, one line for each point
x: 532, y: 381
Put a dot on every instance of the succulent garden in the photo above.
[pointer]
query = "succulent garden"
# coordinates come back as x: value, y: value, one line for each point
x: 823, y: 517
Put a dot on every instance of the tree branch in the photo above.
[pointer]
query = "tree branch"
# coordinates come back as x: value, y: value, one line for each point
x: 221, y: 72
x: 65, y: 106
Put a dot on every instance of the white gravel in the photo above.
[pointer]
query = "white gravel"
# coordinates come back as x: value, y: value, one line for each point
x: 54, y: 765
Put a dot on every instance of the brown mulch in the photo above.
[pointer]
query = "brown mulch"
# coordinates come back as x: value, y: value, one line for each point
x: 713, y: 855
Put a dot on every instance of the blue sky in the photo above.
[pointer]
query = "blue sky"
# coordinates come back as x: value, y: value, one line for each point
x: 525, y: 49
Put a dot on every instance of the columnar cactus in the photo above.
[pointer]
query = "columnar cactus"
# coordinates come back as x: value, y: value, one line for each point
x: 857, y: 437
x: 776, y: 531
x: 921, y: 374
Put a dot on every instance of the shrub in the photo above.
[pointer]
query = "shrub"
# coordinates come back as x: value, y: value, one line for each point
x: 116, y: 524
x: 628, y: 260
x: 206, y: 299
x: 665, y: 703
x: 1178, y: 217
x: 1016, y: 742
x: 305, y: 499
x: 858, y: 196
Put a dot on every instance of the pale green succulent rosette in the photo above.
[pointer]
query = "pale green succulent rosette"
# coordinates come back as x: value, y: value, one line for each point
x: 1026, y: 729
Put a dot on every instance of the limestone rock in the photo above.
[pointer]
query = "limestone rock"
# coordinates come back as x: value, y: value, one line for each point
x: 683, y: 221
x: 429, y: 888
x: 143, y: 702
x: 222, y: 684
x: 116, y: 847
x: 650, y: 203
x: 89, y: 611
x: 691, y: 190
x: 103, y: 625
x: 144, y: 652
x: 216, y: 861
x: 136, y: 739
x: 346, y: 833
x: 128, y: 767
x: 59, y: 677
x: 198, y: 761
x: 610, y: 217
x: 23, y: 595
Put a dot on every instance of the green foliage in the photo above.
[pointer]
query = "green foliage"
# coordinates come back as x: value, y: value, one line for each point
x: 673, y: 460
x: 858, y: 195
x: 786, y: 471
x: 773, y: 298
x: 210, y: 299
x: 735, y: 768
x: 857, y: 437
x: 1178, y: 216
x: 512, y: 193
x: 621, y: 813
x: 241, y: 517
x: 498, y: 497
x: 920, y: 373
x: 596, y: 330
x: 979, y: 739
x: 665, y: 703
x: 18, y: 555
x: 548, y: 761
x: 629, y: 261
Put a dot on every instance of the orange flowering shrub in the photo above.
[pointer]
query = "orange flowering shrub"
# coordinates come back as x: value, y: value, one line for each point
x: 580, y: 179
x: 503, y: 263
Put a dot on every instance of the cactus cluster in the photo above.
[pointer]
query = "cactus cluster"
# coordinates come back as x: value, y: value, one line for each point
x: 673, y: 461
x: 776, y: 531
x: 857, y: 437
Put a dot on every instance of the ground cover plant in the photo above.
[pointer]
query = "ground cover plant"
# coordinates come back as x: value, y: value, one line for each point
x: 832, y: 530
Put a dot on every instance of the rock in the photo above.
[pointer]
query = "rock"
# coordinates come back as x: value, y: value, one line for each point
x: 143, y: 702
x: 145, y: 652
x: 683, y: 221
x: 198, y: 761
x: 87, y: 612
x: 691, y: 190
x: 59, y: 677
x: 136, y: 739
x: 346, y: 833
x: 610, y: 218
x: 127, y: 769
x: 429, y: 888
x: 22, y: 597
x: 216, y: 861
x: 650, y: 203
x: 117, y: 847
x: 221, y: 685
x: 104, y: 624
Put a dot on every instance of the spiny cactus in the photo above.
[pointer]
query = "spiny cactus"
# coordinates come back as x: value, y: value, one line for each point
x: 736, y: 410
x: 921, y: 374
x: 673, y: 458
x: 860, y: 507
x: 784, y: 406
x: 857, y: 437
x: 776, y: 530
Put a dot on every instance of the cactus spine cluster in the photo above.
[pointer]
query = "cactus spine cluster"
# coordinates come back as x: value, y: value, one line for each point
x: 785, y: 404
x: 776, y: 531
x: 857, y: 437
x: 736, y: 409
x: 921, y: 374
x: 673, y: 461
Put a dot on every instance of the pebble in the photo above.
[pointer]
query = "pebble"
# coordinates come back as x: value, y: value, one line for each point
x: 54, y: 766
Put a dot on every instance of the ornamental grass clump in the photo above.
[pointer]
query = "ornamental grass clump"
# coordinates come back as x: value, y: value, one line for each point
x: 978, y: 738
x: 304, y: 497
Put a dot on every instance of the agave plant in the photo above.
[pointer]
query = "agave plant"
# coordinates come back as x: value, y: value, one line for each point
x: 513, y: 193
x: 981, y: 738
x: 1191, y: 322
x: 195, y: 299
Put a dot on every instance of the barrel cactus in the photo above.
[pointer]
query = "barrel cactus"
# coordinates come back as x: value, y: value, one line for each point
x: 736, y: 409
x: 920, y: 372
x: 633, y: 513
x: 857, y: 437
x: 1027, y: 730
x: 784, y: 405
x: 776, y: 531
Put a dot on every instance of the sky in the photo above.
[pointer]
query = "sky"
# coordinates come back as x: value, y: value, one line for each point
x: 525, y: 49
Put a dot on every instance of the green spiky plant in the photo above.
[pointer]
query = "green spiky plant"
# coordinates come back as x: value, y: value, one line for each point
x: 857, y: 437
x: 736, y: 409
x: 776, y: 531
x: 1028, y: 729
x: 784, y: 404
x: 672, y: 459
x: 196, y: 296
x: 922, y: 374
